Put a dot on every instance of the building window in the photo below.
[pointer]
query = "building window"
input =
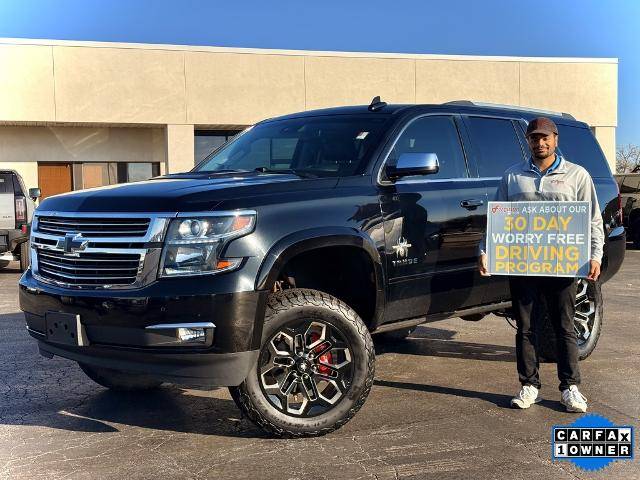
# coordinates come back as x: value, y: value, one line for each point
x: 55, y: 178
x: 136, y: 172
x: 206, y: 141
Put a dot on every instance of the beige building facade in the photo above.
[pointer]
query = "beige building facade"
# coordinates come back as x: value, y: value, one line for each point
x: 81, y: 114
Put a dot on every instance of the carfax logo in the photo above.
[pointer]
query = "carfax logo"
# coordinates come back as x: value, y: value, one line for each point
x: 592, y: 442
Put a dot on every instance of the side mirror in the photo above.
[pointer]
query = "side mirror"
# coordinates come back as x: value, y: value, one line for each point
x: 34, y: 193
x: 413, y: 164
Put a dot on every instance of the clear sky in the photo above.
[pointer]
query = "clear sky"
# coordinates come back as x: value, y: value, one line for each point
x: 567, y: 28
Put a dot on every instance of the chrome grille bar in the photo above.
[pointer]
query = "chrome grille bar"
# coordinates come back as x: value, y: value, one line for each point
x: 49, y: 254
x: 85, y: 268
x: 104, y: 227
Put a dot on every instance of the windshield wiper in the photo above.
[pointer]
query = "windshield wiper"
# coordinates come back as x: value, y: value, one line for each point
x: 299, y: 173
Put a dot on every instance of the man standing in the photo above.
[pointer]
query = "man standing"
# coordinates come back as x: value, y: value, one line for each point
x: 548, y: 176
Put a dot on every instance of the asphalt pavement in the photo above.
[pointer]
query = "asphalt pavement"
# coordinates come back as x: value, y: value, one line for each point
x: 439, y: 409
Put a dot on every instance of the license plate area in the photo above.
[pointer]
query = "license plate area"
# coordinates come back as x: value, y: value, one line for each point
x: 65, y: 329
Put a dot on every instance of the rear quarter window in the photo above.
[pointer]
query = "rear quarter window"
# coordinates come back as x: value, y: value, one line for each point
x: 578, y: 145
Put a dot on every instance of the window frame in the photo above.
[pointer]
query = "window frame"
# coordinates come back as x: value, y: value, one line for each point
x: 455, y: 119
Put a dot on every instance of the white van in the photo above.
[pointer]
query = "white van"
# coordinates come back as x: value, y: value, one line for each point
x: 16, y: 212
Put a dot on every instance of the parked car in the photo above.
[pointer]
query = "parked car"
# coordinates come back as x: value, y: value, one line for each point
x: 630, y: 197
x: 269, y: 265
x: 16, y: 211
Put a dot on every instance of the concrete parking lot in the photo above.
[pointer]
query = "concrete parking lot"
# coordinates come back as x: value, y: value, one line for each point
x: 439, y: 409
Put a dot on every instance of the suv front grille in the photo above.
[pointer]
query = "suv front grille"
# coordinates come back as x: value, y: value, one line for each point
x: 89, y: 269
x: 85, y: 250
x: 94, y: 227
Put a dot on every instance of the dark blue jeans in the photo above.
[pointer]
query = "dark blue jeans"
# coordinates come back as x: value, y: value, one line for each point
x: 529, y: 295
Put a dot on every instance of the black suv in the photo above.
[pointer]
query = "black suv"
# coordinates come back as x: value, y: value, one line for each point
x: 267, y: 267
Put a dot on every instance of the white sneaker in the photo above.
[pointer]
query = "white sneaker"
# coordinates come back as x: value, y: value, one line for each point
x: 526, y: 397
x: 573, y: 400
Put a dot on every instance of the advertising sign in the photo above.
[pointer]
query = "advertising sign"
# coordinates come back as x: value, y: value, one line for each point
x: 545, y: 238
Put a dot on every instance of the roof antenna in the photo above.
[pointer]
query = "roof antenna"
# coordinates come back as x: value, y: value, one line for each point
x: 376, y: 104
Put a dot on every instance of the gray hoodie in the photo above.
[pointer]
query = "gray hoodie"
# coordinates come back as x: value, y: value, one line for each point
x: 567, y: 182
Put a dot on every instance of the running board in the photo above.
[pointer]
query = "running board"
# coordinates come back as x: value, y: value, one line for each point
x: 414, y: 322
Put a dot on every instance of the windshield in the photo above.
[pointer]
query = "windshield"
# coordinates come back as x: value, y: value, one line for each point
x: 324, y: 146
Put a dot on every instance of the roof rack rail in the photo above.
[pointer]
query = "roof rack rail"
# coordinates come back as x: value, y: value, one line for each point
x: 509, y: 107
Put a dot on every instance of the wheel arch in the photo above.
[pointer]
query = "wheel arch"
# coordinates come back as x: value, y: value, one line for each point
x: 315, y: 241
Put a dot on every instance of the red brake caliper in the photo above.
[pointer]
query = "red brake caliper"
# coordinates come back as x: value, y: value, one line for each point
x: 325, y: 358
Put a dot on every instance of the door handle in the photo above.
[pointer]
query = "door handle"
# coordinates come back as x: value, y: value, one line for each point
x: 471, y: 203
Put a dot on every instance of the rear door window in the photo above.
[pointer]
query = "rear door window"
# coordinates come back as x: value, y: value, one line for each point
x: 495, y: 145
x: 578, y: 145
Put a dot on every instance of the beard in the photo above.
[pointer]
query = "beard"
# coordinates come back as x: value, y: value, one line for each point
x: 542, y: 156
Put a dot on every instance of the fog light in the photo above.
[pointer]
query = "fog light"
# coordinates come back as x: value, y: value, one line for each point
x: 192, y: 335
x: 180, y: 334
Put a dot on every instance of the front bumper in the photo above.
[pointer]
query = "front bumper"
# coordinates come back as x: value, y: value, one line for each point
x: 115, y: 324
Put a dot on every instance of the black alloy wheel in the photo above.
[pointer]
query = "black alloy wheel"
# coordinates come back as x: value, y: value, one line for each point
x: 305, y: 368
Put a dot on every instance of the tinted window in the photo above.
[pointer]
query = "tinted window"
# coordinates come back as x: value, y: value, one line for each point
x: 326, y: 146
x: 6, y: 183
x: 495, y: 145
x: 433, y: 134
x: 578, y: 145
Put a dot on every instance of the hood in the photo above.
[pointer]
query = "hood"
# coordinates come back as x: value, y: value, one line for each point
x: 187, y: 192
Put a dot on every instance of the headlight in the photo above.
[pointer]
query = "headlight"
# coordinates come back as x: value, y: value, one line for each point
x: 193, y: 245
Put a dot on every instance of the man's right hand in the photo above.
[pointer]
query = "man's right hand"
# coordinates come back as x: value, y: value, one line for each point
x: 483, y: 267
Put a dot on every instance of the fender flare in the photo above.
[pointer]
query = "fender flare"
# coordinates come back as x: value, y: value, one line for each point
x: 314, y: 238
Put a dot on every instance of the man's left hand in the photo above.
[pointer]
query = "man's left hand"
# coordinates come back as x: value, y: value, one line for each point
x: 594, y: 270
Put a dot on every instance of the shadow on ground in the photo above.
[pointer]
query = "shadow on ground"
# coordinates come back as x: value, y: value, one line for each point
x: 436, y: 342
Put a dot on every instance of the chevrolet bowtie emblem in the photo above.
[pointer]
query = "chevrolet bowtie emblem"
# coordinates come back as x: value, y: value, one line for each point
x: 72, y: 243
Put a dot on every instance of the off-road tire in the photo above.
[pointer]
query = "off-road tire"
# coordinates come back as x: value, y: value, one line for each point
x: 285, y: 308
x: 547, y: 340
x: 119, y: 381
x: 25, y: 259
